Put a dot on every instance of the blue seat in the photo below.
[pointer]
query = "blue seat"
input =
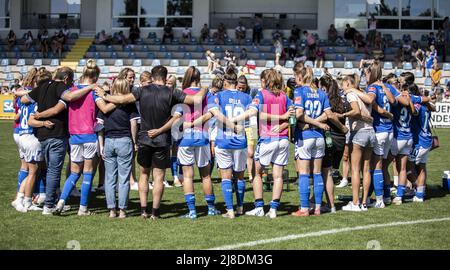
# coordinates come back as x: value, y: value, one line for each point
x: 54, y: 63
x: 151, y: 35
x: 397, y: 43
x: 24, y: 70
x: 92, y: 48
x: 10, y: 77
x: 175, y: 41
x: 348, y: 65
x: 181, y: 48
x: 158, y: 41
x: 328, y: 64
x: 407, y: 66
x: 262, y: 56
x: 100, y: 62
x: 18, y: 55
x: 339, y: 57
x: 388, y: 50
x: 32, y: 49
x: 114, y: 55
x: 236, y: 49
x: 137, y: 63
x: 162, y: 48
x: 387, y: 37
x: 105, y: 70
x: 270, y: 64
x: 341, y: 43
x: 127, y: 48
x: 16, y: 49
x: 289, y: 64
x: 187, y: 55
x: 446, y: 67
x: 151, y: 55
x: 82, y: 62
x: 248, y: 42
x: 193, y: 41
x: 427, y: 81
x: 50, y: 55
x: 350, y: 50
x: 35, y: 55
x: 168, y: 55
x: 388, y: 65
x: 145, y: 48
x: 132, y: 55
x: 73, y: 36
x: 156, y: 62
x: 174, y: 63
x: 37, y: 62
x: 118, y: 63
x: 3, y: 55
x: 109, y: 48
x: 309, y: 64
x: 20, y: 62
x: 228, y: 41
x: 96, y: 55
x: 211, y: 41
x: 199, y: 48
x: 193, y: 63
x: 418, y: 73
x: 322, y: 42
x: 330, y: 50
x: 181, y: 71
x: 318, y: 72
x: 218, y: 49
x: 255, y: 49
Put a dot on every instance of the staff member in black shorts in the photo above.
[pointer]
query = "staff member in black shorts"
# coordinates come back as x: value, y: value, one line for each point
x: 333, y: 155
x: 154, y: 139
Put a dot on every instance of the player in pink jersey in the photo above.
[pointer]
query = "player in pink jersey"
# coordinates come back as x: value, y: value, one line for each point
x: 274, y: 109
x: 83, y: 139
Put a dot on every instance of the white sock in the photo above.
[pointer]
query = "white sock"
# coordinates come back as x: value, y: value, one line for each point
x: 42, y: 195
x: 27, y: 201
x: 421, y: 189
x: 318, y: 206
x: 20, y: 195
x: 395, y: 180
x: 344, y: 180
x: 380, y: 198
x: 83, y: 208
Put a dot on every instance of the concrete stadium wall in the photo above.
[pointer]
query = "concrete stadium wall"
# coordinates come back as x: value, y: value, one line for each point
x: 265, y: 6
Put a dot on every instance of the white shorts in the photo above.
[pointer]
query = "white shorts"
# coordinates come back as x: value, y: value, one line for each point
x: 16, y: 140
x: 198, y: 155
x: 419, y: 155
x: 213, y: 133
x: 276, y: 152
x: 30, y: 148
x: 81, y: 152
x: 383, y: 143
x: 308, y: 149
x: 231, y: 158
x: 401, y: 147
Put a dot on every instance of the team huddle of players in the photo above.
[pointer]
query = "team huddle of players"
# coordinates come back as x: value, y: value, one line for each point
x: 324, y: 118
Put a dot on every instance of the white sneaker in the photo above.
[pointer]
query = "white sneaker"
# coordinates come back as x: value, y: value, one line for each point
x: 351, y: 207
x: 48, y: 211
x: 59, y: 207
x: 364, y: 207
x: 416, y: 199
x: 166, y: 184
x: 379, y: 204
x: 150, y: 185
x: 34, y: 208
x: 257, y: 212
x: 229, y: 214
x: 272, y: 213
x: 397, y: 201
x: 239, y: 210
x: 134, y: 186
x: 387, y: 201
x: 21, y: 208
x: 75, y: 193
x: 343, y: 183
x: 41, y: 199
x: 16, y: 202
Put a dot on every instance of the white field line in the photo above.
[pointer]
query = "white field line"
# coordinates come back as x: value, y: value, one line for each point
x: 327, y: 232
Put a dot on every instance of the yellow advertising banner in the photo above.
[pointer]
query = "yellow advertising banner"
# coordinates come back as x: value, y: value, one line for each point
x: 7, y: 107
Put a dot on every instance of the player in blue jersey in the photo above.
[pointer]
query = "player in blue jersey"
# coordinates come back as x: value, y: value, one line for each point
x: 422, y: 143
x: 310, y: 104
x: 231, y: 147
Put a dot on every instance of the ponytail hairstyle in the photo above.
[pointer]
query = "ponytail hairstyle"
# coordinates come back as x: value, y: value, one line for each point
x: 230, y: 76
x: 274, y: 82
x: 414, y: 89
x: 331, y: 87
x: 391, y: 78
x: 375, y: 72
x: 43, y: 75
x: 307, y: 75
x: 30, y: 78
x: 353, y: 80
x: 91, y: 71
x: 120, y: 87
x: 192, y: 75
x: 217, y: 82
x: 408, y: 77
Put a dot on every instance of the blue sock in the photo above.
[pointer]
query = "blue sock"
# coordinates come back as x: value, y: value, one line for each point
x: 275, y: 204
x: 371, y: 187
x: 420, y: 192
x: 303, y: 189
x: 227, y: 191
x: 174, y: 166
x: 86, y: 188
x: 190, y: 201
x: 400, y: 191
x: 318, y: 188
x: 387, y: 191
x: 378, y: 182
x: 259, y: 203
x: 240, y: 192
x: 71, y: 182
x: 42, y: 184
x: 20, y: 177
x: 210, y: 200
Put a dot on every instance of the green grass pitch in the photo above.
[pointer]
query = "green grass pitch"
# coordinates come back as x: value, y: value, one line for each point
x: 34, y: 231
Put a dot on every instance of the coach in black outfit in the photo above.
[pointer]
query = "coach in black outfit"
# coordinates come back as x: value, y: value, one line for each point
x: 156, y: 101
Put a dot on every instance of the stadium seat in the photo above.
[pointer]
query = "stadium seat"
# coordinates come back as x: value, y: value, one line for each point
x: 118, y: 63
x: 175, y: 41
x: 211, y: 41
x: 328, y: 64
x: 218, y: 49
x: 348, y: 65
x: 127, y: 48
x: 32, y: 49
x: 427, y: 81
x: 251, y: 62
x: 341, y: 43
x: 181, y: 71
x: 92, y: 48
x: 339, y: 57
x: 16, y: 49
x: 100, y: 62
x: 407, y: 66
x: 137, y: 63
x: 236, y: 49
x: 248, y: 42
x: 162, y: 48
x: 174, y: 63
x: 193, y: 63
x: 262, y: 56
x: 114, y: 55
x: 105, y: 70
x: 359, y: 57
x: 5, y: 62
x: 270, y: 64
x: 37, y: 62
x: 156, y: 62
x: 10, y: 77
x: 397, y: 43
x: 193, y: 41
x: 330, y: 50
x: 424, y: 38
x: 309, y: 64
x: 181, y: 48
x: 397, y: 72
x: 255, y: 49
x: 258, y: 71
x: 168, y: 55
x: 151, y: 35
x: 131, y: 55
x: 187, y: 55
x: 388, y: 50
x: 228, y: 41
x: 150, y: 55
x: 82, y: 62
x: 35, y: 55
x: 18, y: 55
x: 157, y: 41
x: 350, y: 50
x: 418, y: 73
x: 388, y: 37
x: 388, y: 65
x: 54, y: 63
x: 289, y: 64
x: 73, y: 36
x: 109, y: 48
x: 145, y: 48
x: 20, y: 63
x: 24, y: 70
x: 318, y: 72
x: 446, y: 67
x: 96, y: 55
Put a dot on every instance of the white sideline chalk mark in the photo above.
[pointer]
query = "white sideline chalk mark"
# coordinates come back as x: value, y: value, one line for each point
x: 326, y: 232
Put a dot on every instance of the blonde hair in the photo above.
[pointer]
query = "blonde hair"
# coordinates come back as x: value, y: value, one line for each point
x: 30, y: 78
x: 173, y: 79
x: 120, y: 87
x: 146, y: 77
x: 91, y: 71
x: 274, y: 81
x: 353, y: 79
x: 307, y: 74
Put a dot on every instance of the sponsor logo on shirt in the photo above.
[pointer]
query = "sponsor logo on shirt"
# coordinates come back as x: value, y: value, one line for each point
x: 255, y: 101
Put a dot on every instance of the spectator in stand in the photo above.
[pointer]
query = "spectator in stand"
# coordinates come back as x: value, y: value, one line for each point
x: 186, y: 35
x: 349, y: 33
x: 440, y: 44
x: 230, y: 59
x: 257, y: 30
x: 278, y: 51
x: 240, y: 32
x: 292, y: 49
x: 104, y: 39
x: 243, y: 56
x: 311, y: 42
x: 121, y: 39
x: 204, y: 33
x: 295, y: 33
x: 446, y: 94
x: 212, y: 61
x: 45, y: 43
x: 431, y: 39
x: 29, y: 40
x: 135, y: 33
x: 359, y: 43
x: 446, y: 27
x: 58, y: 43
x: 320, y: 58
x: 221, y: 34
x: 378, y: 41
x: 66, y: 32
x: 332, y: 34
x: 372, y: 30
x: 406, y: 52
x: 168, y: 33
x: 11, y: 40
x: 420, y: 59
x: 277, y: 34
x: 436, y: 74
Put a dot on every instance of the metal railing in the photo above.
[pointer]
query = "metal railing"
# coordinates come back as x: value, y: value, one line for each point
x: 50, y: 20
x: 270, y: 20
